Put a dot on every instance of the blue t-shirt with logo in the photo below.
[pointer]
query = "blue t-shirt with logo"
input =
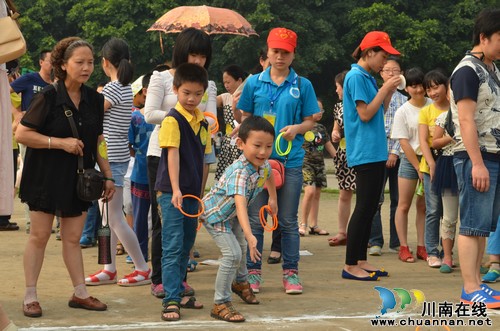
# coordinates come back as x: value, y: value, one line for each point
x: 138, y: 137
x: 365, y: 141
x: 289, y: 103
x: 28, y: 85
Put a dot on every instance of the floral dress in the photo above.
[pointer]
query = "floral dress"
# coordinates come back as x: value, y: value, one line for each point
x: 229, y: 153
x: 346, y: 176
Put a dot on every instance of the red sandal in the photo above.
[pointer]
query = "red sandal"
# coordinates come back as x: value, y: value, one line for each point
x: 405, y: 254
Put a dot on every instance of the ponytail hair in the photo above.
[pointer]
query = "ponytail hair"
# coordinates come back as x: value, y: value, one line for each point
x: 116, y: 51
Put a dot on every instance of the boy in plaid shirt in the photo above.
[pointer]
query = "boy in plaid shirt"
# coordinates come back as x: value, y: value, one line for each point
x: 226, y: 214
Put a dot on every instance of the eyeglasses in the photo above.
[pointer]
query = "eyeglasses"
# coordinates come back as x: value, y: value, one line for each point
x: 394, y: 71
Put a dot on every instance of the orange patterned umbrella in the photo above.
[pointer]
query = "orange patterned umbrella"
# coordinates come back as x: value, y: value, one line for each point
x: 212, y: 20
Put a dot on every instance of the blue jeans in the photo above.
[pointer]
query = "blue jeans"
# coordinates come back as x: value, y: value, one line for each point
x: 92, y: 222
x: 288, y: 205
x: 479, y: 211
x: 433, y: 214
x: 233, y: 247
x: 178, y: 235
x: 140, y: 207
x: 376, y: 236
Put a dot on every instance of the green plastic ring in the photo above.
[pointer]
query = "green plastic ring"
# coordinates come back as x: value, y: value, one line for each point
x: 278, y: 148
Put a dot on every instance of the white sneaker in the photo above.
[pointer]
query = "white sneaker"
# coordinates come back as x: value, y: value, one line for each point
x: 375, y: 251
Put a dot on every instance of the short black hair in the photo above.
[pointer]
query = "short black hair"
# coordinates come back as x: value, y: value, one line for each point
x: 487, y: 23
x: 435, y: 77
x: 254, y: 123
x: 190, y: 73
x: 161, y: 67
x: 43, y: 54
x: 414, y: 76
x: 235, y: 71
x: 191, y: 41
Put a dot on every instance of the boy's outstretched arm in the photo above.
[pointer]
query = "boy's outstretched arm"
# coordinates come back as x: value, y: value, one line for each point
x: 240, y: 202
x: 273, y: 197
x: 173, y: 172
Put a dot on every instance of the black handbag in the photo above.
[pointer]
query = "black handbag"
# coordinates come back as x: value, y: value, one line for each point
x: 90, y: 182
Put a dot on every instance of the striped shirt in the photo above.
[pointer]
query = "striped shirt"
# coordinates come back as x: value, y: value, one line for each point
x: 117, y: 120
x: 240, y: 178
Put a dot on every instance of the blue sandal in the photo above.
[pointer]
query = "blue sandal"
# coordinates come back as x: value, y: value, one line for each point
x: 191, y: 266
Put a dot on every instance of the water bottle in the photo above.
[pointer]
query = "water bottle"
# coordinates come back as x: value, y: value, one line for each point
x: 104, y: 239
x: 420, y: 188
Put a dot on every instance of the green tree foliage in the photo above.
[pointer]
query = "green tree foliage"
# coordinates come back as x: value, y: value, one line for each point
x: 430, y: 34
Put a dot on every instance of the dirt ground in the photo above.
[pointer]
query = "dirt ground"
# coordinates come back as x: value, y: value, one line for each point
x: 328, y: 301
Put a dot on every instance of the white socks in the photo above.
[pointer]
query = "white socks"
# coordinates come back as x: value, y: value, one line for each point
x: 30, y: 295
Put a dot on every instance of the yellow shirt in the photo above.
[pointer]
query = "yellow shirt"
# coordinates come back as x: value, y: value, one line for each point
x: 15, y: 99
x: 428, y: 116
x: 170, y: 136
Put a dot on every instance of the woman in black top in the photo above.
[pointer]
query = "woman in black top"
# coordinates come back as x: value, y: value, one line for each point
x: 49, y: 174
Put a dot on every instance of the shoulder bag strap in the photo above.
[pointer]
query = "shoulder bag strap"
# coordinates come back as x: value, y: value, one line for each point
x: 69, y: 115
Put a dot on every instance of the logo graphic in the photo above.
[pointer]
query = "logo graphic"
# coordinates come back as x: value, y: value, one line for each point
x: 389, y: 301
x: 443, y: 314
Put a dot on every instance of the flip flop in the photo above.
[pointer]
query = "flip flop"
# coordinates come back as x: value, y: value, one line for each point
x: 370, y: 277
x: 191, y: 304
x: 378, y: 272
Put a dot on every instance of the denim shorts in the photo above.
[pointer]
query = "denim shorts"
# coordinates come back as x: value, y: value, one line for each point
x: 406, y: 169
x: 118, y: 170
x: 210, y: 158
x: 479, y: 211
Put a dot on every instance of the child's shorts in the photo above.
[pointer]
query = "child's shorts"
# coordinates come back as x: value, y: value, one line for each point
x: 210, y: 158
x: 406, y: 169
x: 314, y: 174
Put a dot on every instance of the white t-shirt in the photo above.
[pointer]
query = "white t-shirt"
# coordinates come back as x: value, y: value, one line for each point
x: 161, y: 99
x: 406, y: 124
x: 117, y: 120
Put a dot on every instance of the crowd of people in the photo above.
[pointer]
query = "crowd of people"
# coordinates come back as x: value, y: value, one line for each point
x: 426, y: 134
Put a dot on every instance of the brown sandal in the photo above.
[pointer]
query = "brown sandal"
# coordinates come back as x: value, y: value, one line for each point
x: 226, y: 312
x: 245, y: 292
x: 120, y: 250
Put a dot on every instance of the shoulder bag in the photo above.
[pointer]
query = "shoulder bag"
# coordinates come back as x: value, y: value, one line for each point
x: 12, y: 43
x: 90, y: 182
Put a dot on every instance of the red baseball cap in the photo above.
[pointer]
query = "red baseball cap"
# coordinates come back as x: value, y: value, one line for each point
x: 378, y: 38
x: 282, y: 38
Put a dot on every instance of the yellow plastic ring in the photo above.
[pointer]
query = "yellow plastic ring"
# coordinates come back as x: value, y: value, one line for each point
x: 279, y: 151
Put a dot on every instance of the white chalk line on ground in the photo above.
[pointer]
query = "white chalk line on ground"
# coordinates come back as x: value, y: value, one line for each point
x: 214, y: 324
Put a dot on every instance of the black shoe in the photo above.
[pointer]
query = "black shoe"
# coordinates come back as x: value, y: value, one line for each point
x: 9, y: 227
x: 274, y: 260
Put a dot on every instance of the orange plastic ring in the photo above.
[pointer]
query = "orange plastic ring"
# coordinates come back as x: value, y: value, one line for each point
x: 263, y: 221
x: 201, y: 210
x: 214, y: 127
